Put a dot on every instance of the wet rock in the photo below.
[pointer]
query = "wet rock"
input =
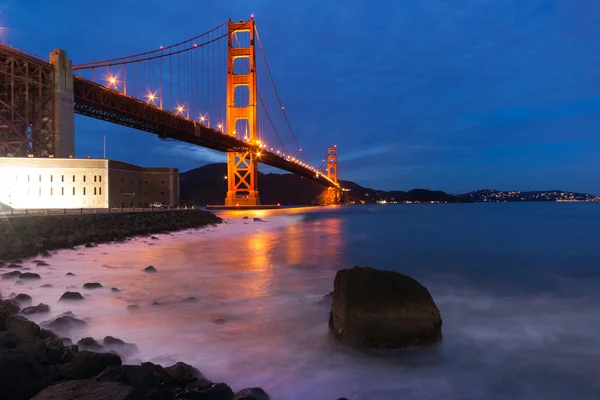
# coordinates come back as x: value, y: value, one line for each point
x: 132, y: 307
x: 245, y: 217
x: 11, y: 275
x: 47, y: 334
x: 258, y: 220
x: 47, y: 285
x: 326, y: 300
x: 252, y: 394
x: 36, y: 261
x: 23, y: 298
x: 14, y: 266
x: 29, y: 276
x: 382, y: 309
x: 42, y: 264
x: 64, y: 323
x: 39, y: 309
x: 150, y: 269
x: 71, y: 296
x: 156, y: 303
x: 70, y: 274
x: 25, y: 329
x: 2, y: 264
x: 115, y: 289
x: 220, y: 321
x: 119, y: 346
x: 19, y: 283
x: 145, y: 377
x: 89, y: 245
x: 9, y: 307
x: 45, y: 254
x: 154, y: 238
x: 183, y: 374
x: 190, y: 300
x: 88, y: 343
x: 87, y: 389
x: 22, y: 375
x: 17, y: 261
x: 92, y: 285
x: 87, y: 364
x: 9, y: 340
x: 217, y: 391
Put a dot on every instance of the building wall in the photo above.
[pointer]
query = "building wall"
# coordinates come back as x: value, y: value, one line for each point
x: 133, y: 186
x: 84, y: 183
x: 53, y: 183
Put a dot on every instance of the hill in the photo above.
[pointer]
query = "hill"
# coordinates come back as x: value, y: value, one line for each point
x: 208, y: 185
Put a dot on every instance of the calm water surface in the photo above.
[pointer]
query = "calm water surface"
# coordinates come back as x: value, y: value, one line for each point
x: 517, y: 286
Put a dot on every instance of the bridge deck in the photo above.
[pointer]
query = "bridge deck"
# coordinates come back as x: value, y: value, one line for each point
x: 98, y: 101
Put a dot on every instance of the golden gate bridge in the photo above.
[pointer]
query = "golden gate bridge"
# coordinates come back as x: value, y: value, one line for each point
x: 211, y: 90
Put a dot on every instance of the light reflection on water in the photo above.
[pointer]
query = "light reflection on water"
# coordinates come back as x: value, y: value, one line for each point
x: 264, y: 279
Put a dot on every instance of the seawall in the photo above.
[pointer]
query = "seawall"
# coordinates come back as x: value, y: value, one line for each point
x: 27, y: 236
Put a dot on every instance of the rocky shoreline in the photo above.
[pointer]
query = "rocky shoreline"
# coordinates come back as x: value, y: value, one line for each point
x: 27, y: 236
x: 37, y: 363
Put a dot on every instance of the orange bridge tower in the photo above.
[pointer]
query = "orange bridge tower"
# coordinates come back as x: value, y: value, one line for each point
x: 332, y: 165
x: 242, y: 168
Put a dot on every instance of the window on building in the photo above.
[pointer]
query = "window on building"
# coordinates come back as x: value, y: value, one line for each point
x: 62, y: 191
x: 51, y: 192
x: 84, y: 191
x: 40, y: 191
x: 94, y: 191
x: 27, y: 178
x: 51, y: 178
x: 84, y: 179
x: 100, y: 191
x: 73, y: 180
x: 40, y: 178
x: 62, y: 178
x: 94, y: 178
x: 99, y: 178
x: 73, y: 191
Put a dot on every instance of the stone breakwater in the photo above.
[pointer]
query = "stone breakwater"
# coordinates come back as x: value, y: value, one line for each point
x: 29, y: 235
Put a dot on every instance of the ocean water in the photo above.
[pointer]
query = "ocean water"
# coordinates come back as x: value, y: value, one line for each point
x: 517, y: 286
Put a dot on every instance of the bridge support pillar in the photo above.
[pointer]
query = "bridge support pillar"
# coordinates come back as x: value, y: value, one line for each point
x: 332, y: 165
x: 64, y: 105
x: 242, y: 167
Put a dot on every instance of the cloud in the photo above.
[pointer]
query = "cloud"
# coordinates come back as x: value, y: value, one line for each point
x: 192, y: 152
x: 356, y: 155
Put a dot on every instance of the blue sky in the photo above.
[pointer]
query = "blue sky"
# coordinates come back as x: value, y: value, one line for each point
x: 454, y: 95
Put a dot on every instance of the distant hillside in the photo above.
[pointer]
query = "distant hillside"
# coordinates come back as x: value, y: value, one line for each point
x: 207, y: 185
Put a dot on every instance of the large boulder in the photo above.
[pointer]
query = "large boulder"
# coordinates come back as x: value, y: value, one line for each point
x: 382, y: 309
x: 85, y: 389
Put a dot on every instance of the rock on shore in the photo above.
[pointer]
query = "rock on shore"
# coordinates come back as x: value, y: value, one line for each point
x: 30, y: 235
x: 382, y: 309
x: 35, y: 364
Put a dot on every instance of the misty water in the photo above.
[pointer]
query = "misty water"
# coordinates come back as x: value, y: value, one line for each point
x: 517, y: 286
